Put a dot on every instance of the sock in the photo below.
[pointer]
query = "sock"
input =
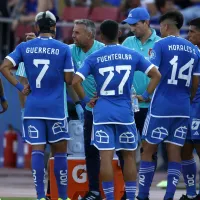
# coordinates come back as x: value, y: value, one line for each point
x: 48, y: 189
x: 130, y: 187
x: 174, y: 172
x: 189, y: 173
x: 146, y: 173
x: 95, y: 192
x: 108, y: 188
x: 38, y: 170
x: 60, y: 171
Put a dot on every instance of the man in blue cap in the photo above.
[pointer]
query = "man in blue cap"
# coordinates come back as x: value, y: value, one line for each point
x: 142, y: 42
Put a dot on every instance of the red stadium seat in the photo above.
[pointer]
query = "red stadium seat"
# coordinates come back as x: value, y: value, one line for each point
x: 67, y: 33
x: 21, y: 30
x: 72, y: 13
x: 101, y: 13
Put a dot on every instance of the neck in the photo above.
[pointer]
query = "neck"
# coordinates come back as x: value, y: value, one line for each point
x: 146, y: 36
x: 88, y: 46
x: 45, y: 35
x: 111, y: 42
x: 174, y: 33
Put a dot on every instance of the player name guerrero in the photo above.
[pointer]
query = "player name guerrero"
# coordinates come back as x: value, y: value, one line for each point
x: 42, y: 50
x: 176, y: 47
x: 116, y: 56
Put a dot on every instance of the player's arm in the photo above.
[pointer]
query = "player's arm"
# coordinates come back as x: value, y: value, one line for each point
x: 3, y: 100
x: 152, y: 72
x: 80, y: 76
x: 9, y: 62
x: 195, y: 83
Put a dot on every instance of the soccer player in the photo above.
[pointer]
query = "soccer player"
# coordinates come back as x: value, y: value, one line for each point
x: 44, y: 117
x: 80, y: 112
x: 169, y: 112
x: 114, y: 128
x: 193, y: 135
x: 3, y: 101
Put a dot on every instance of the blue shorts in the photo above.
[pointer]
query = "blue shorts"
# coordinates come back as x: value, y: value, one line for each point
x: 115, y: 136
x: 170, y: 130
x: 42, y: 131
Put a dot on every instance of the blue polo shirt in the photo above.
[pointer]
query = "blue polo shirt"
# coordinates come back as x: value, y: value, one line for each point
x: 141, y: 80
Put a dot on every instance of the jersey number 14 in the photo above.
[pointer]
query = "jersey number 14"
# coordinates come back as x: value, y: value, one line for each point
x: 188, y: 65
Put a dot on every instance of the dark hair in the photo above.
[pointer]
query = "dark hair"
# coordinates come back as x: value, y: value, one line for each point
x: 109, y: 29
x: 195, y: 22
x: 174, y: 16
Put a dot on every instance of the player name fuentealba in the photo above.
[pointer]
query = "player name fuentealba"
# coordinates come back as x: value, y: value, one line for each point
x: 116, y: 56
x: 42, y: 50
x: 176, y: 47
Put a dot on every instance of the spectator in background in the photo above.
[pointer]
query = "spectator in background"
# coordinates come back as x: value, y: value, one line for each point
x: 165, y: 5
x: 78, y: 2
x: 27, y: 10
x: 127, y: 5
x: 153, y: 11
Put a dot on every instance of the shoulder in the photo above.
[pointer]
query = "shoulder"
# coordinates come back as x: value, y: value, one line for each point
x: 129, y: 39
x: 98, y: 45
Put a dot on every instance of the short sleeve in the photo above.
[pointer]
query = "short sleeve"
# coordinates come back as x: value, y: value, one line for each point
x: 155, y: 54
x: 21, y: 70
x: 85, y: 69
x: 16, y: 56
x: 69, y: 65
x: 143, y: 64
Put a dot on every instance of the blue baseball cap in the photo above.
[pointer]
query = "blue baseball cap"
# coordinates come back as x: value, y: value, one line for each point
x: 136, y: 15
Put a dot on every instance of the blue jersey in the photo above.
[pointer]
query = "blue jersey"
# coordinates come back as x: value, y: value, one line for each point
x: 45, y: 61
x: 177, y: 60
x: 113, y: 67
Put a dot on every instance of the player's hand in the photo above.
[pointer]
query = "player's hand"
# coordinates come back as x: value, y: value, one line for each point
x: 80, y: 112
x: 26, y: 91
x: 140, y: 99
x: 92, y: 102
x: 30, y: 36
x: 4, y: 105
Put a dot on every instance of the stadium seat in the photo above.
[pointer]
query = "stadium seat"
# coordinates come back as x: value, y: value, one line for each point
x: 99, y: 14
x: 21, y: 30
x: 72, y: 13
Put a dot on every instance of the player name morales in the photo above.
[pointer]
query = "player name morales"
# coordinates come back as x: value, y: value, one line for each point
x: 176, y: 47
x: 116, y: 56
x: 42, y: 50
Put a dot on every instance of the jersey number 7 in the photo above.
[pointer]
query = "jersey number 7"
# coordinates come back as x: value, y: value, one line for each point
x: 45, y: 64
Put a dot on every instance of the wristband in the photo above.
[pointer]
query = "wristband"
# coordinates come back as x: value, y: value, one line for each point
x: 86, y: 99
x: 78, y: 102
x: 19, y: 86
x: 145, y: 95
x: 3, y: 98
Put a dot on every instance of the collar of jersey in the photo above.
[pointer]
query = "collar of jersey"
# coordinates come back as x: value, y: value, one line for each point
x: 43, y: 37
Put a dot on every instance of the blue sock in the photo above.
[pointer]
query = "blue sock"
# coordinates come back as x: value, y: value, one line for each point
x: 146, y: 173
x: 38, y: 171
x: 108, y: 188
x: 189, y: 171
x: 130, y: 187
x: 174, y: 172
x: 60, y: 171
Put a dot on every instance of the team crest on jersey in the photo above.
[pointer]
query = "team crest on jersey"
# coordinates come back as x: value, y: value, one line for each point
x: 152, y: 54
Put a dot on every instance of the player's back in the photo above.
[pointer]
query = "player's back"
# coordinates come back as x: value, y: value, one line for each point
x: 178, y: 61
x: 45, y: 60
x: 113, y: 68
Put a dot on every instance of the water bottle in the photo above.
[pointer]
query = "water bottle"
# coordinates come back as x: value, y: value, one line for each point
x: 134, y: 100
